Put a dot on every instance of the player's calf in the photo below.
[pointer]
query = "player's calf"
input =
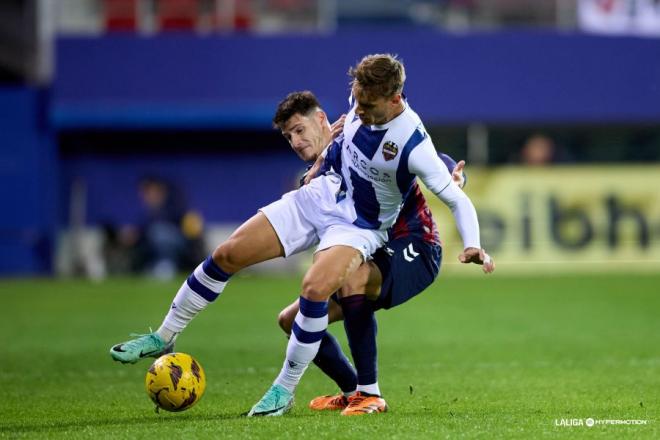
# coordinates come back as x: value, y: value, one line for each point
x: 329, y: 358
x: 286, y: 317
x: 361, y: 329
x: 308, y: 329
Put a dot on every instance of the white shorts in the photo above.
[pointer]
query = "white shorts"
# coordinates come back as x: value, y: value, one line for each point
x: 311, y: 215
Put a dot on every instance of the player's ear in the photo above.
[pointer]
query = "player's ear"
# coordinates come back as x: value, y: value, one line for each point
x: 396, y: 98
x: 322, y: 117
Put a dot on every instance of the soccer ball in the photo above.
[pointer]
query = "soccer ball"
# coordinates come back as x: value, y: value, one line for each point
x: 175, y: 382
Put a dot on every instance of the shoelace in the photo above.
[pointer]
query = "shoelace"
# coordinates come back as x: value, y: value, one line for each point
x: 356, y: 400
x: 337, y: 401
x: 134, y: 342
x: 139, y: 335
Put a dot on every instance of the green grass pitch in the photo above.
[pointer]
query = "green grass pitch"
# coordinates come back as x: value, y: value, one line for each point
x: 483, y: 357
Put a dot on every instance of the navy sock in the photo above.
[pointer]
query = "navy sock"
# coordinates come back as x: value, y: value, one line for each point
x: 334, y: 363
x: 361, y: 329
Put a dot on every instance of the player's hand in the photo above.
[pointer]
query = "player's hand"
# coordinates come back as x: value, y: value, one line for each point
x: 457, y: 174
x: 337, y: 126
x: 314, y: 170
x: 477, y: 256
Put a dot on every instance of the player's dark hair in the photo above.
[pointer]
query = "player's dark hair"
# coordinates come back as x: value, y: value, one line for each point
x: 379, y: 75
x: 295, y: 103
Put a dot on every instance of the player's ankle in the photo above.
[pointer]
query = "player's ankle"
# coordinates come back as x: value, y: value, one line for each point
x: 371, y: 389
x: 167, y: 335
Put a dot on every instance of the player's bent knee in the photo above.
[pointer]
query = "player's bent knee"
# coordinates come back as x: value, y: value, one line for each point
x: 316, y: 290
x: 225, y: 256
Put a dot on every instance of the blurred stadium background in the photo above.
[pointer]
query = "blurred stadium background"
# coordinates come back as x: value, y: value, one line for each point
x: 554, y: 104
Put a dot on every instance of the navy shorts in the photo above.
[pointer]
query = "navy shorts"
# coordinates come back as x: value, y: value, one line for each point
x: 408, y: 266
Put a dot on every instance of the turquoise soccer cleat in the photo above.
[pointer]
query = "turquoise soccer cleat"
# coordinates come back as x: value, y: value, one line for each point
x: 149, y: 345
x: 276, y: 402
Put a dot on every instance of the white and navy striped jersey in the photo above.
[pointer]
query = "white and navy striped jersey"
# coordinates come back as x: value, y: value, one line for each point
x: 379, y: 165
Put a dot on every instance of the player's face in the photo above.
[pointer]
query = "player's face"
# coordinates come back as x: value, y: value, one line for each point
x: 375, y: 110
x: 305, y: 135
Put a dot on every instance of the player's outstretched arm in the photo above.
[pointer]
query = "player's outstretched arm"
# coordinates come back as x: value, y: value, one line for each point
x: 425, y: 163
x: 469, y: 255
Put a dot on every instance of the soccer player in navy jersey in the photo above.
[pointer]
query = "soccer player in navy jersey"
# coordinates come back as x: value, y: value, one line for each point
x: 403, y: 268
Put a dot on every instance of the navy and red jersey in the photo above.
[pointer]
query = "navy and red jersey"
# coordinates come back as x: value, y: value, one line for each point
x: 415, y: 218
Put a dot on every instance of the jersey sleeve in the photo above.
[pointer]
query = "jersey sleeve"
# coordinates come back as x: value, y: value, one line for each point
x: 432, y: 171
x: 425, y: 164
x: 332, y: 156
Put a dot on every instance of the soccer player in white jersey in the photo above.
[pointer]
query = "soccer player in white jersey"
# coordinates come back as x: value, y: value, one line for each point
x: 397, y: 272
x: 316, y: 213
x: 382, y: 150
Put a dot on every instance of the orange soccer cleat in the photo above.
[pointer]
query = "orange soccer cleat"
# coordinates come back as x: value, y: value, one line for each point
x: 329, y: 403
x: 362, y: 403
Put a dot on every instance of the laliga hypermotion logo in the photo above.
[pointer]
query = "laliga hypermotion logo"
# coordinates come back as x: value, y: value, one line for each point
x: 390, y: 150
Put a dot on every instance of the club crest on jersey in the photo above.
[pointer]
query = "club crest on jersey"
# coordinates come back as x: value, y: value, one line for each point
x: 390, y: 150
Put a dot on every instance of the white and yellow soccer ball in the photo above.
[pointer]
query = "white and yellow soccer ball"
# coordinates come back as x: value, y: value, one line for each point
x: 175, y: 382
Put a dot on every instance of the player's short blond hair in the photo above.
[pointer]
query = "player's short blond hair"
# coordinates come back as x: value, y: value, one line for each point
x: 379, y: 75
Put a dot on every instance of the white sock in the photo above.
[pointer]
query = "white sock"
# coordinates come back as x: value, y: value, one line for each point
x: 186, y: 305
x: 200, y: 289
x: 369, y: 389
x: 298, y: 357
x: 167, y: 334
x: 308, y: 329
